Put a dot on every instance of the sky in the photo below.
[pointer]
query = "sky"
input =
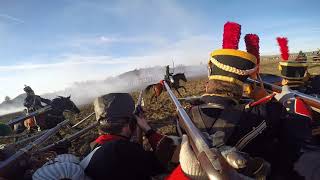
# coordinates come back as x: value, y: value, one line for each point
x: 49, y: 45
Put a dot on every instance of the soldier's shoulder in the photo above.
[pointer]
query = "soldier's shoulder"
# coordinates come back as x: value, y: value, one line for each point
x: 298, y: 107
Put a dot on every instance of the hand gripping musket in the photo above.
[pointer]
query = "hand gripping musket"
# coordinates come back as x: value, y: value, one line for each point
x: 310, y: 100
x: 209, y: 157
x: 6, y: 166
x: 71, y: 137
x: 137, y: 111
x: 35, y: 113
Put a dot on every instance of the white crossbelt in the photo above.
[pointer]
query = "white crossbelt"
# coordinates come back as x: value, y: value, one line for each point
x: 251, y: 135
x: 85, y: 161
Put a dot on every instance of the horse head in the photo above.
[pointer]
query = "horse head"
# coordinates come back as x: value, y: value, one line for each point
x: 65, y: 104
x: 180, y: 76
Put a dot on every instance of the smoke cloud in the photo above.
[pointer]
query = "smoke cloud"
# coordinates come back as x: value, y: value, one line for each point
x: 84, y: 92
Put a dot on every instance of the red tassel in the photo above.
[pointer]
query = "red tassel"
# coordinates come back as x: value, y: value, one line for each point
x: 283, y: 43
x: 231, y: 35
x: 252, y: 44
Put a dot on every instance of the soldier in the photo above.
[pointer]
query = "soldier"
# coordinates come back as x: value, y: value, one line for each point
x: 115, y: 156
x: 275, y: 129
x: 293, y: 72
x: 33, y: 102
x: 168, y: 76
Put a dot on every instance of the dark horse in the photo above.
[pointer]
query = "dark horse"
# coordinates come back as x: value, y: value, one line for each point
x: 54, y: 116
x: 158, y: 88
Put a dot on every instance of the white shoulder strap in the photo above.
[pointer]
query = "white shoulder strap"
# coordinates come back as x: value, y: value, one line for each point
x: 85, y: 161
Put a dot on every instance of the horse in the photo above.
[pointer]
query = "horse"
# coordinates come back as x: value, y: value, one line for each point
x: 158, y: 87
x: 52, y: 117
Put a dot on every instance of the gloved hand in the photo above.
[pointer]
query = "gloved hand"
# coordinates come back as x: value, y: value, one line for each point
x: 192, y: 168
x: 285, y: 94
x: 189, y: 163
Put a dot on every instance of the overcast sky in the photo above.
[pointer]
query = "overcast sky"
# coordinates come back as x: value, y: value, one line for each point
x: 51, y: 44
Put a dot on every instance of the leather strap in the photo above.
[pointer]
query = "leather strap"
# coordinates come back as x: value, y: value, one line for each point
x: 228, y: 120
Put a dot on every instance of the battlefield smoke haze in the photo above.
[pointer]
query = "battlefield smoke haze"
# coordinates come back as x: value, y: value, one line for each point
x: 84, y: 92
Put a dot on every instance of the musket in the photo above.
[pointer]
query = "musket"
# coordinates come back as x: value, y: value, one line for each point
x: 310, y: 100
x: 14, y: 136
x: 32, y: 114
x: 34, y: 136
x: 137, y: 111
x: 190, y: 98
x: 209, y: 157
x: 83, y: 120
x: 70, y: 138
x: 7, y: 165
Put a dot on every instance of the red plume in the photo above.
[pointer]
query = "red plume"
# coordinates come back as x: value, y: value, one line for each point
x: 252, y: 44
x: 283, y: 43
x: 231, y: 35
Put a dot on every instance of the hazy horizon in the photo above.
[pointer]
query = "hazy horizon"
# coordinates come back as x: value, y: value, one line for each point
x: 63, y: 42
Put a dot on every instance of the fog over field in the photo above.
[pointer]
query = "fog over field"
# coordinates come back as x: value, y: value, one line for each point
x: 84, y: 92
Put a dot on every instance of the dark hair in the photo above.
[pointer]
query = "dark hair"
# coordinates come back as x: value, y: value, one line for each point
x: 224, y: 88
x: 116, y: 127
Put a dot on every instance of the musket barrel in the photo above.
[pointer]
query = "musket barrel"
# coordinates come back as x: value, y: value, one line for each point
x: 210, y: 158
x: 35, y: 113
x: 268, y: 86
x: 5, y: 165
x: 83, y: 120
x: 71, y: 137
x: 188, y: 124
x: 310, y: 100
x: 138, y: 107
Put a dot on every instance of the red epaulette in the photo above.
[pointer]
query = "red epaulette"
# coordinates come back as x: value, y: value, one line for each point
x: 297, y: 106
x: 177, y: 174
x: 301, y: 108
x: 262, y: 100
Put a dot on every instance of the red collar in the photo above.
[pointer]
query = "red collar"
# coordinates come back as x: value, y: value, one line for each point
x: 108, y: 137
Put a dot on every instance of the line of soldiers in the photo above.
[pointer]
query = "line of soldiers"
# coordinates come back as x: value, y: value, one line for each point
x: 273, y: 136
